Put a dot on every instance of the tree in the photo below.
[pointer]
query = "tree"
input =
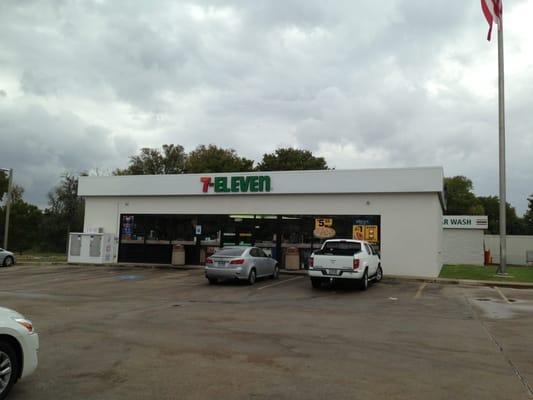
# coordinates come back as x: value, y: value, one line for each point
x: 65, y: 213
x: 460, y: 200
x: 17, y: 193
x: 169, y: 160
x: 528, y: 216
x: 289, y: 159
x: 4, y: 181
x: 216, y: 159
x: 514, y: 224
x: 24, y: 222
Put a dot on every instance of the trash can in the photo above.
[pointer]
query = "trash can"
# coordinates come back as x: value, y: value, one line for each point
x: 178, y: 254
x: 292, y: 258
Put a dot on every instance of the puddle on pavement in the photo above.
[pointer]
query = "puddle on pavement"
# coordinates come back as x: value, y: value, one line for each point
x: 499, y: 309
x: 129, y: 277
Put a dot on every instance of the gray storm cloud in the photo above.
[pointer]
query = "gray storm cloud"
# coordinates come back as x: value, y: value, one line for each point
x: 404, y: 83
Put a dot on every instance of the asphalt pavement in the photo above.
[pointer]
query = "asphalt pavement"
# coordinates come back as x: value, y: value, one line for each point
x: 138, y: 333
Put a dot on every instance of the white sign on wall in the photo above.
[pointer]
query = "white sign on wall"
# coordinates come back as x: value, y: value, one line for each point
x: 465, y: 222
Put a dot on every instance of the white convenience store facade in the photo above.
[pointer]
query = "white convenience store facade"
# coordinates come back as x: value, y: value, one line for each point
x: 399, y: 210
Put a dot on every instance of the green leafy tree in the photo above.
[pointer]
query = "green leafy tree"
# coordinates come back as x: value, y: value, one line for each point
x: 4, y: 180
x: 24, y: 222
x: 460, y: 198
x: 215, y: 159
x: 65, y: 213
x: 169, y: 160
x: 528, y: 216
x: 514, y: 224
x: 289, y: 159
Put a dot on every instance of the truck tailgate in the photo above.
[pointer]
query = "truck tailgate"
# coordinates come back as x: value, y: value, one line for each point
x: 333, y: 262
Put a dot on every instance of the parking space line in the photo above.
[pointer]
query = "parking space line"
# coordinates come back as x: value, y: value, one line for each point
x: 502, y: 295
x: 279, y: 283
x: 420, y: 289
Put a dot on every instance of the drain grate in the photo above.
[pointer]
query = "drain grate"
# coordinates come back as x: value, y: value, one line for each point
x: 483, y: 299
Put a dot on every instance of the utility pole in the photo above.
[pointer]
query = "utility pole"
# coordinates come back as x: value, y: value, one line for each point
x: 8, y: 204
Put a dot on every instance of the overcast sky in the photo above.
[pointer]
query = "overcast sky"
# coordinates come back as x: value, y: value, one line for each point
x: 85, y: 84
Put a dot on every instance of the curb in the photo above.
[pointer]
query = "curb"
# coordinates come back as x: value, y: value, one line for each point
x: 466, y: 282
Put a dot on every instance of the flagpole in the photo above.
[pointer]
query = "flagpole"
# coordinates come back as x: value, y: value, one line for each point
x: 502, y: 270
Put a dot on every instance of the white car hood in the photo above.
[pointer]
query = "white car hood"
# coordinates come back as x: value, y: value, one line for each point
x: 6, y: 312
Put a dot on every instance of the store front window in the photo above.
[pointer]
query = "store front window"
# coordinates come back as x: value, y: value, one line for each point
x: 149, y: 238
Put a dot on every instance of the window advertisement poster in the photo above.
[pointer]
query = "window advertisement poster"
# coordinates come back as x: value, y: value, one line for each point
x: 127, y: 226
x: 358, y: 232
x: 371, y: 233
x: 324, y: 228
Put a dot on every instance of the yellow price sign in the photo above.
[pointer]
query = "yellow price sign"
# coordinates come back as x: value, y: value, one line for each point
x: 323, y: 222
x: 371, y: 233
x: 357, y: 232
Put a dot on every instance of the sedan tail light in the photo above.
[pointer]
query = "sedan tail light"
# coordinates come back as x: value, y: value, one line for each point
x: 311, y: 262
x: 237, y: 261
x: 355, y: 264
x: 209, y: 261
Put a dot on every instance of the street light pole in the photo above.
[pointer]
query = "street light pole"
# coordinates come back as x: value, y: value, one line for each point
x: 8, y: 204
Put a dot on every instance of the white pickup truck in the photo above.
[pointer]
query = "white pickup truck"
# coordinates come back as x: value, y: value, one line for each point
x: 345, y: 259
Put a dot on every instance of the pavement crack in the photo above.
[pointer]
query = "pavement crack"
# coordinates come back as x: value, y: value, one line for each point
x: 500, y: 348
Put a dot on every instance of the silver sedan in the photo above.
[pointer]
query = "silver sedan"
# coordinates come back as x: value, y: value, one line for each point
x: 242, y: 263
x: 7, y: 258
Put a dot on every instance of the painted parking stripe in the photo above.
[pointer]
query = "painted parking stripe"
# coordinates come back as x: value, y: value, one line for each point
x: 502, y: 295
x: 419, y: 291
x: 279, y: 283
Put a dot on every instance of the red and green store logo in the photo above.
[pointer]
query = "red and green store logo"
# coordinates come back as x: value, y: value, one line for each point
x: 236, y: 184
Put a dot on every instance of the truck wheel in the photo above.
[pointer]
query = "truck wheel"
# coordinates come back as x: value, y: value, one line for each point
x: 316, y: 283
x: 379, y: 274
x: 8, y: 368
x: 363, y: 285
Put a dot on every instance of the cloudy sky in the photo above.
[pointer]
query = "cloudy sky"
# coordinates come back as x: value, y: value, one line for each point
x: 84, y: 84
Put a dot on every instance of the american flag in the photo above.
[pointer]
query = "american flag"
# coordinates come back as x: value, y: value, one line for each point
x: 492, y: 9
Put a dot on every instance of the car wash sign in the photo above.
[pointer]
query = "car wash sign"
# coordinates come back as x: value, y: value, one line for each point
x: 236, y: 184
x: 465, y: 222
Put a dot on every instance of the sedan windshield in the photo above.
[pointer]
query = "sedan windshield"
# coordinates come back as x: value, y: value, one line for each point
x: 230, y: 252
x: 340, y: 248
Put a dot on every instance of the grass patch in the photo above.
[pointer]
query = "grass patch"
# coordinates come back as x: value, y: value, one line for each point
x: 487, y: 273
x: 41, y: 257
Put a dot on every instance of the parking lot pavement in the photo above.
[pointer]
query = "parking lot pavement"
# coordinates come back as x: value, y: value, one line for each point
x: 133, y: 333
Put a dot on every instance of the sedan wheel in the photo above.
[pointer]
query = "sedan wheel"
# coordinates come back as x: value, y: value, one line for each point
x: 275, y: 274
x: 252, y: 277
x: 7, y: 369
x: 8, y: 261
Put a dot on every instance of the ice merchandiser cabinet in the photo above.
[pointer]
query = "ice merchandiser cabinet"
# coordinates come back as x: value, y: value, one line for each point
x: 92, y: 248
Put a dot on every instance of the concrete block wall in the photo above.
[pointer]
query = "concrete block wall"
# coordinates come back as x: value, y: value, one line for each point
x: 517, y: 246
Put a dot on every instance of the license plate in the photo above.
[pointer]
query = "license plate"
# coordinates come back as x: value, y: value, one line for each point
x: 221, y: 263
x: 333, y: 272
